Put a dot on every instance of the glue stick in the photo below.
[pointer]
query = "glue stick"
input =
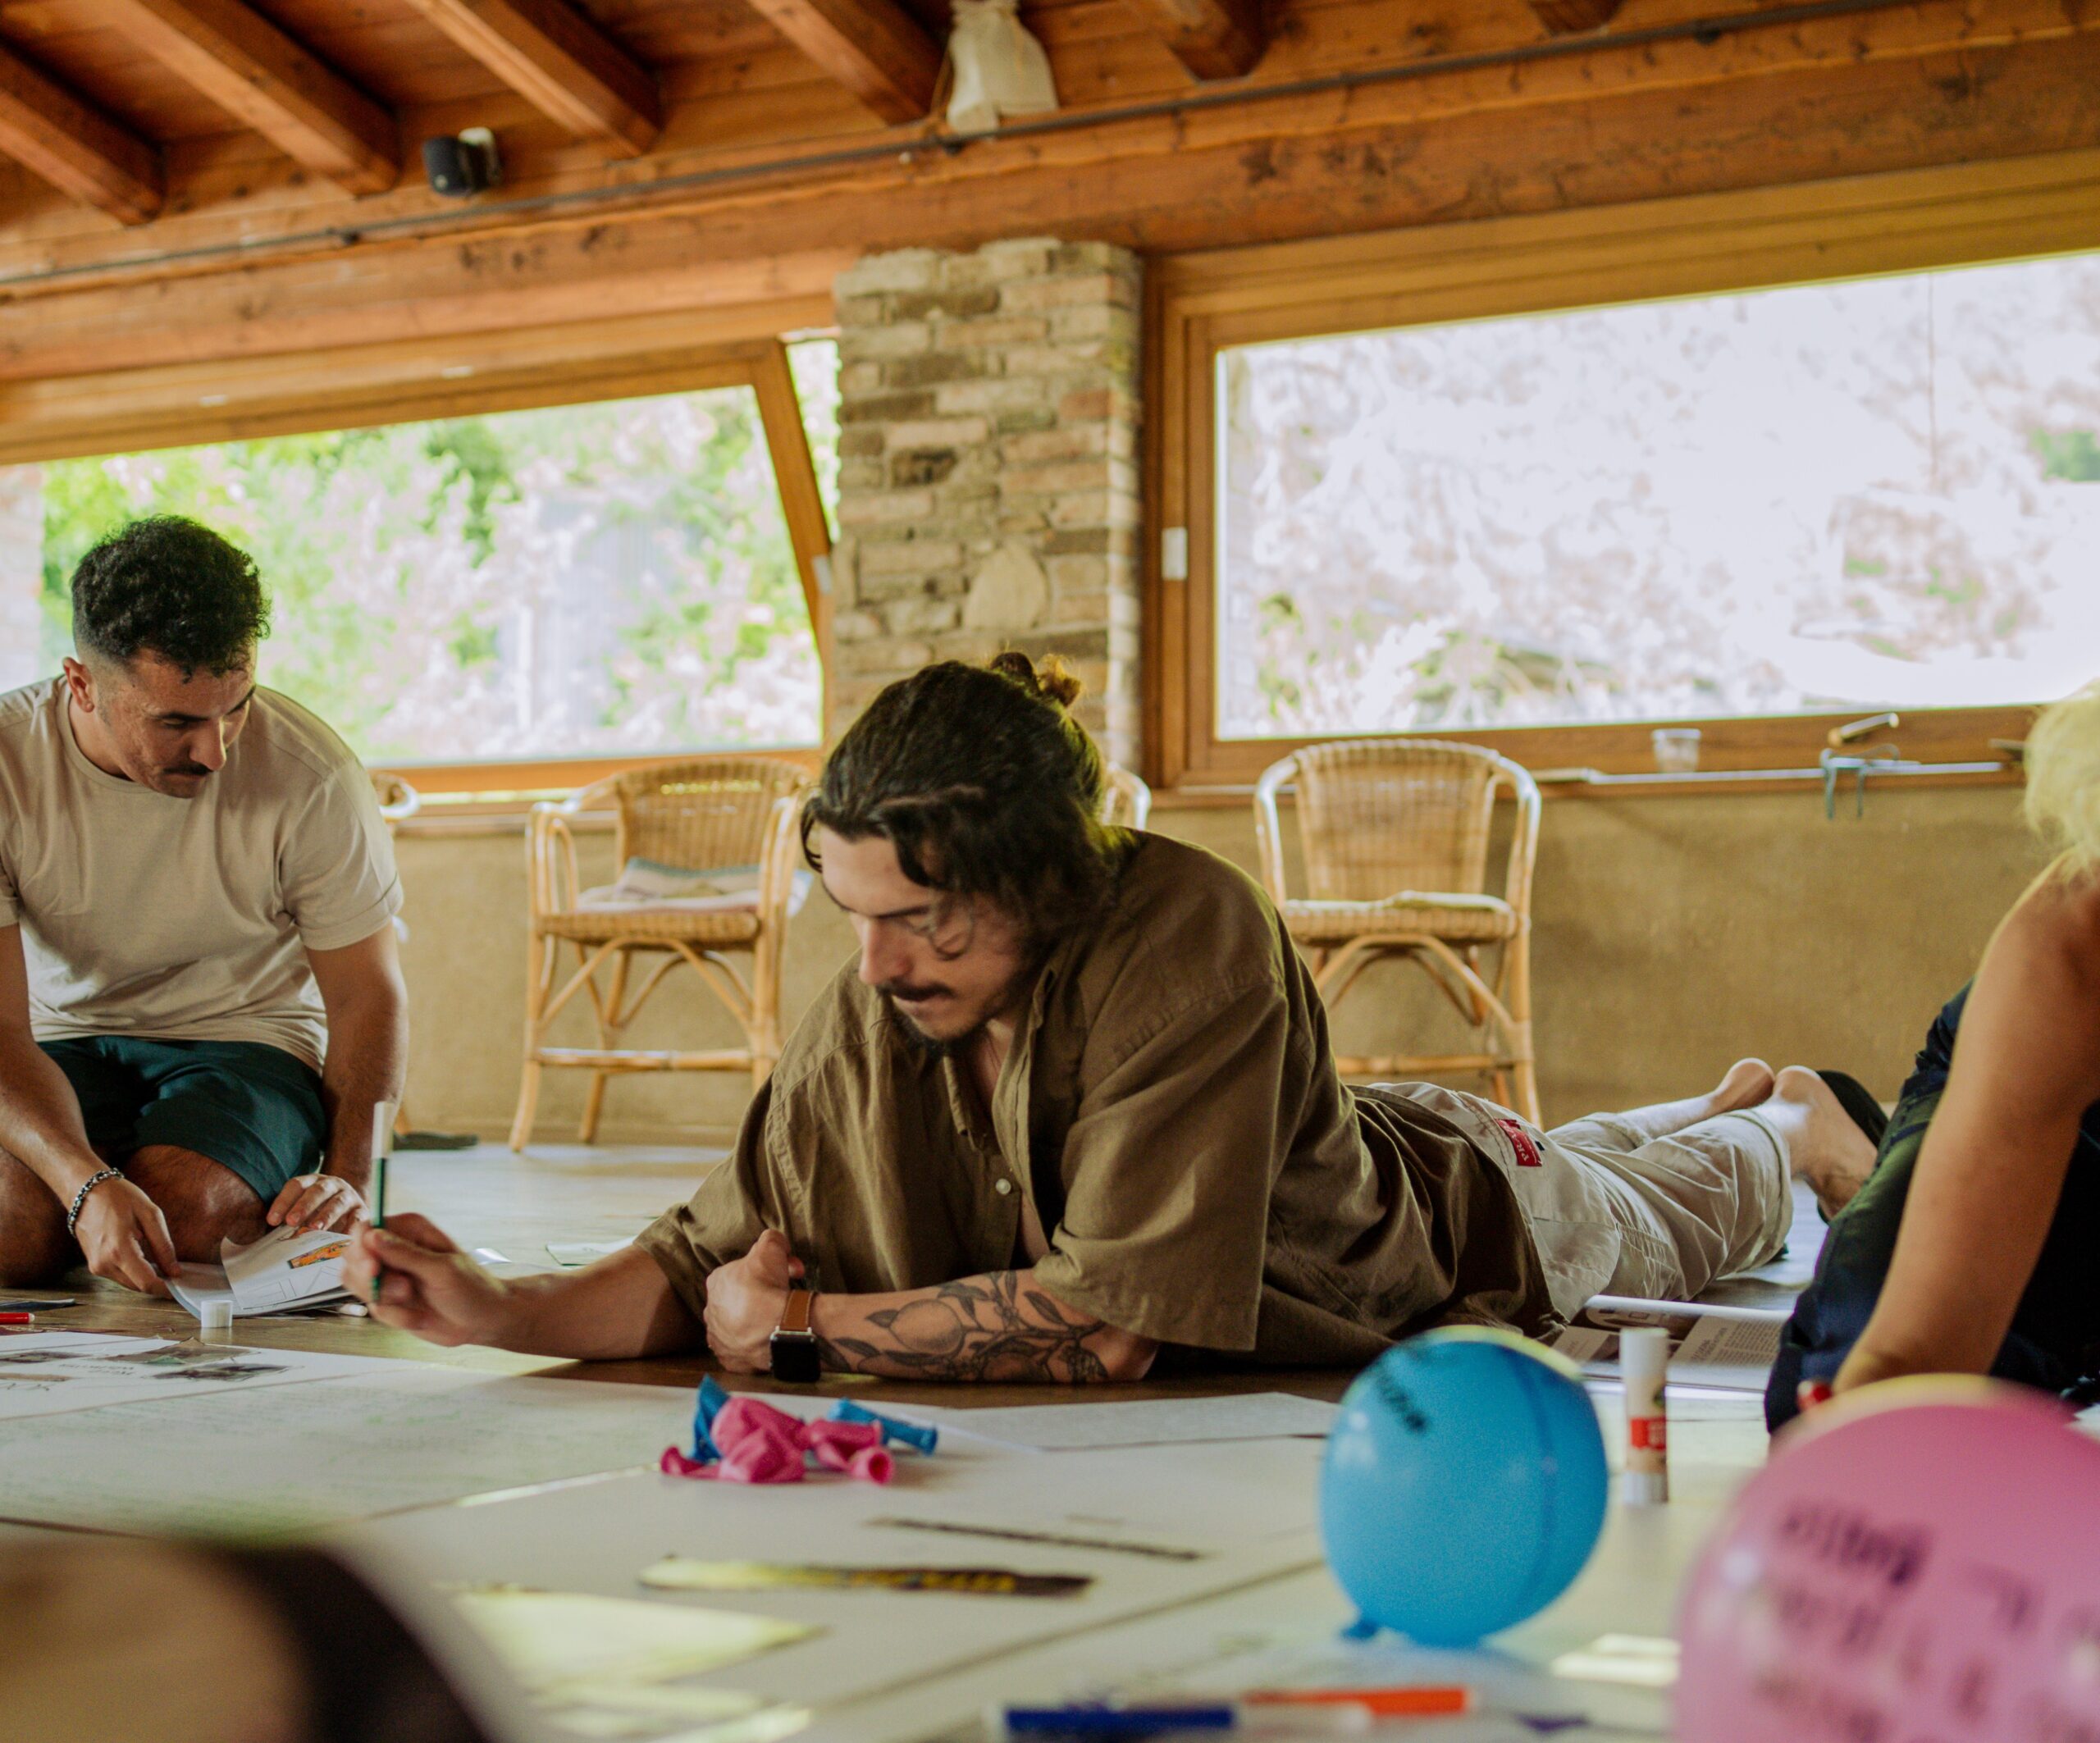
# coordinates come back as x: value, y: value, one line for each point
x: 215, y: 1321
x: 1644, y: 1358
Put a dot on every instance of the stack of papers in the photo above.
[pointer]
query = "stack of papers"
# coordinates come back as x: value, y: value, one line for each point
x: 282, y: 1273
x: 1730, y: 1349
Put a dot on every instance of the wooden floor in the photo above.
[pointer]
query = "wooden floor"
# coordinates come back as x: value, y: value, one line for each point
x: 513, y: 1206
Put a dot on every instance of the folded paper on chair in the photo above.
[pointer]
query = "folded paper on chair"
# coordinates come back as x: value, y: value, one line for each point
x: 1730, y: 1349
x: 282, y: 1273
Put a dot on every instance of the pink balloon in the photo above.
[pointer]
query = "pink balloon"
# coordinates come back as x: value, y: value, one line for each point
x: 1919, y: 1563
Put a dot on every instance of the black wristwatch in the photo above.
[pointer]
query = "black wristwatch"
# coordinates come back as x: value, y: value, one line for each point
x: 796, y: 1357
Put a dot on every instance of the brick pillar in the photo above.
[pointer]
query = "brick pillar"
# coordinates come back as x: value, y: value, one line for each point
x: 988, y: 475
x: 21, y: 575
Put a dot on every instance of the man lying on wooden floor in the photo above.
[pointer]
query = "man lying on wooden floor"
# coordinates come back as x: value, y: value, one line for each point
x: 1074, y: 1102
x: 197, y: 898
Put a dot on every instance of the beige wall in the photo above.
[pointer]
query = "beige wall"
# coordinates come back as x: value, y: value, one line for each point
x: 1674, y: 935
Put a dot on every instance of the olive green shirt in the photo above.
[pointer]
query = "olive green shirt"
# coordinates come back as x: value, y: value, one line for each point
x: 1171, y: 1107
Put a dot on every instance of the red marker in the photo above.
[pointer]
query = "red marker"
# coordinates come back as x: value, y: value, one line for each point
x: 17, y: 1319
x: 1423, y: 1701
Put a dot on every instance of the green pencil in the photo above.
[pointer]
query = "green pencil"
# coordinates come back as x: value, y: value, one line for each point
x: 382, y: 1140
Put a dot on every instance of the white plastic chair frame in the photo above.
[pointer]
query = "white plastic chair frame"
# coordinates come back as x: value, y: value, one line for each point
x: 398, y: 801
x: 1497, y: 1010
x: 1125, y: 800
x: 553, y: 886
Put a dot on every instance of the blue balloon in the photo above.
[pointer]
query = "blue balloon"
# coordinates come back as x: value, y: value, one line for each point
x: 1464, y: 1486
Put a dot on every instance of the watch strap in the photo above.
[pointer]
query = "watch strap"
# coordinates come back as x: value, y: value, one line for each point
x: 795, y: 1317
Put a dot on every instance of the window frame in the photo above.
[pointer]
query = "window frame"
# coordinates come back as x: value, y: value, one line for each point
x: 460, y: 375
x: 1200, y: 304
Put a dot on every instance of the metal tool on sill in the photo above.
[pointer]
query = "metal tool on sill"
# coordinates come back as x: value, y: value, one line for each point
x: 1836, y: 760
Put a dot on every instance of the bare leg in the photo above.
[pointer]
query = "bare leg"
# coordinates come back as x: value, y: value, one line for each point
x: 1825, y: 1143
x: 35, y: 1250
x: 1748, y: 1082
x: 204, y: 1202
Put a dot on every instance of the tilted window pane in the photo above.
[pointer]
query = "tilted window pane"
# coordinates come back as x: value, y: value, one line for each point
x: 1831, y: 496
x: 578, y: 580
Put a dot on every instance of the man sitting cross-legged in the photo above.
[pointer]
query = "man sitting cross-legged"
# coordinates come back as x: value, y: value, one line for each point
x: 197, y: 897
x: 1074, y: 1102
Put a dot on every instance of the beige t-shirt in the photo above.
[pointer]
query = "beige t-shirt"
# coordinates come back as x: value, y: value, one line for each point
x: 187, y: 920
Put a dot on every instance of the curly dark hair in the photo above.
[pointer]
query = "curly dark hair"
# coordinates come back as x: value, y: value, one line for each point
x: 985, y: 785
x: 168, y: 586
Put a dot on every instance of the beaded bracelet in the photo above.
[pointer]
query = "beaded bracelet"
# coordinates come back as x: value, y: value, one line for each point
x: 80, y: 1198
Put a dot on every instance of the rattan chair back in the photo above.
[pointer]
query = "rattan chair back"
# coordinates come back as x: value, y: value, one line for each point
x: 1378, y: 816
x: 704, y: 814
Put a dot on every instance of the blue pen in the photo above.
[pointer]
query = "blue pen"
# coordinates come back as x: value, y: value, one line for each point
x: 904, y: 1434
x: 1002, y: 1723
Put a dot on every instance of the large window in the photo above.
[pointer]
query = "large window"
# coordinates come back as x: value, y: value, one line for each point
x: 1851, y: 496
x: 1764, y: 463
x: 587, y: 581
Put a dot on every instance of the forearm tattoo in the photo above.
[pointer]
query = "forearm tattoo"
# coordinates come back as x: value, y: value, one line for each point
x: 996, y: 1327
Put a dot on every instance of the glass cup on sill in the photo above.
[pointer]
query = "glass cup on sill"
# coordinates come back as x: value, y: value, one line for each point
x: 1677, y: 749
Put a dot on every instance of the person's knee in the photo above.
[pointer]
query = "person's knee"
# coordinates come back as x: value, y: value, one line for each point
x: 34, y: 1249
x: 204, y: 1202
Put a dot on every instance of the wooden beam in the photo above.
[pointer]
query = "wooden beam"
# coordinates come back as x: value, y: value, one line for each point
x: 559, y: 62
x: 1564, y: 17
x: 1213, y: 38
x: 876, y: 49
x: 259, y: 75
x: 79, y: 150
x: 1373, y: 158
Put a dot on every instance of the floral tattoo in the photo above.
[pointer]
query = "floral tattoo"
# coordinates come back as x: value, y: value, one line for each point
x: 999, y: 1327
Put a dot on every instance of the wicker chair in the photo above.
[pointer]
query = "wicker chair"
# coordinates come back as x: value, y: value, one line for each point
x: 1125, y: 800
x: 1394, y: 833
x: 714, y: 811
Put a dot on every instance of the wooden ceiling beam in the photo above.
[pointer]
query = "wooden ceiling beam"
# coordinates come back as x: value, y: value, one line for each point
x: 561, y: 63
x: 875, y: 48
x: 1565, y: 17
x: 75, y: 148
x: 1213, y: 38
x: 261, y: 77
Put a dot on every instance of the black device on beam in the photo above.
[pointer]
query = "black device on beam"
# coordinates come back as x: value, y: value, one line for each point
x: 462, y: 164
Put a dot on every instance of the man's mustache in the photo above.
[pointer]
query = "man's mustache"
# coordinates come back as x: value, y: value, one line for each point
x: 904, y: 993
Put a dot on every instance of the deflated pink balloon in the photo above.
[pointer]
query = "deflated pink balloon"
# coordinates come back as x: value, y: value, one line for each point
x: 1919, y: 1560
x: 761, y: 1444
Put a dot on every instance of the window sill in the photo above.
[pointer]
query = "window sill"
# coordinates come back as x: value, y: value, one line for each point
x: 1591, y: 784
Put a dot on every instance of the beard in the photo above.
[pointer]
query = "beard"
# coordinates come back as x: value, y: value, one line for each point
x: 953, y: 1046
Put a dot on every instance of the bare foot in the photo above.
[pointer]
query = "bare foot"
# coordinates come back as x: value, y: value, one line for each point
x: 1748, y: 1082
x: 1827, y: 1149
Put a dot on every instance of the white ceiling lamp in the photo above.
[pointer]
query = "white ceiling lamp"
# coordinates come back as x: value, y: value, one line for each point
x: 1000, y: 70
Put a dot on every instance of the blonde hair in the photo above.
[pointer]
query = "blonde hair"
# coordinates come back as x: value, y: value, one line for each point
x: 2063, y: 778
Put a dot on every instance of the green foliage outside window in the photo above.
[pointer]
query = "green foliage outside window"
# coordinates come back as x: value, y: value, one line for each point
x: 576, y: 580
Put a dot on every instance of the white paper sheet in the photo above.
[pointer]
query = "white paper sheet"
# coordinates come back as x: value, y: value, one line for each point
x: 285, y: 1270
x: 282, y: 1273
x: 574, y: 1253
x: 56, y: 1373
x: 301, y: 1458
x: 1166, y: 1422
x: 1246, y: 1510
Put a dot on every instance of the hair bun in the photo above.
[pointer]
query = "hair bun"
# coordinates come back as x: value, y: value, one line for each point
x: 1052, y: 681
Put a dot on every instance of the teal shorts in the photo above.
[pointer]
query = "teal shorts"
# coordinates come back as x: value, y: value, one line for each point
x: 249, y: 1106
